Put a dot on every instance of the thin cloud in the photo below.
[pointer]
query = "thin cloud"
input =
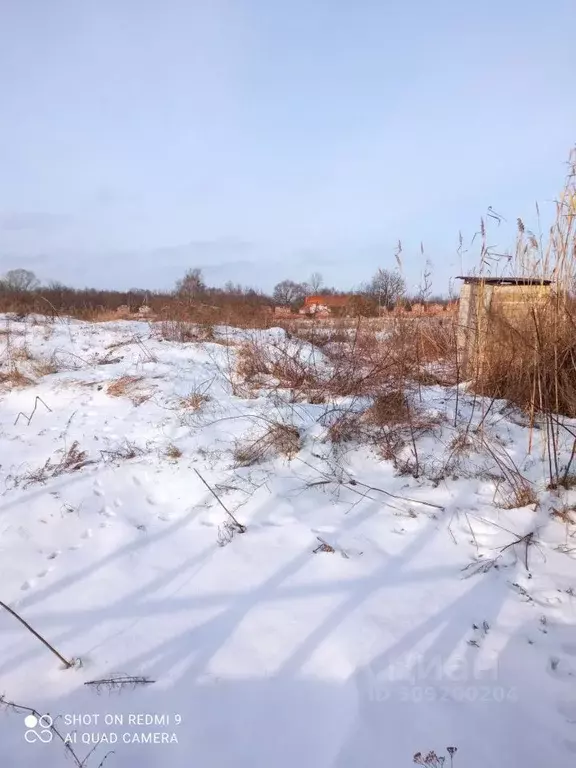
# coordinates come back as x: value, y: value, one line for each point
x: 32, y: 221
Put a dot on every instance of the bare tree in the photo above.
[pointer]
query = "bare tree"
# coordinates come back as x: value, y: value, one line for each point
x: 425, y: 285
x: 233, y: 288
x: 315, y: 282
x: 387, y: 287
x: 56, y: 285
x: 191, y: 286
x: 288, y: 292
x: 20, y: 280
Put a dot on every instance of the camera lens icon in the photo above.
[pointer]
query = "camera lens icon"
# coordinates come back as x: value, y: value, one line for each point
x: 39, y: 729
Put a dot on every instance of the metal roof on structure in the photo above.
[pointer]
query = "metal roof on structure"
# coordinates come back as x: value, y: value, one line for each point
x: 505, y: 280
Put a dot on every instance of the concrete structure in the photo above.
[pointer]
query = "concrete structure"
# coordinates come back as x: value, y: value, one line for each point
x: 483, y: 300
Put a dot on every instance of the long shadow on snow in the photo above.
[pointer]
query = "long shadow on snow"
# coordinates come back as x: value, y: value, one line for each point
x: 81, y: 620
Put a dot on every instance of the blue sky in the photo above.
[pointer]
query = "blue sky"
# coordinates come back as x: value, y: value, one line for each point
x: 263, y: 139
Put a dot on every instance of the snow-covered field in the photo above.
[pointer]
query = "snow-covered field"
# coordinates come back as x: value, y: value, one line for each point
x: 262, y: 651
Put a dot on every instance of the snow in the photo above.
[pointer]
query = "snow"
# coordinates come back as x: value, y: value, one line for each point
x: 262, y: 652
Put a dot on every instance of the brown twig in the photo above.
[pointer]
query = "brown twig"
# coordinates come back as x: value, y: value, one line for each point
x: 240, y: 528
x: 352, y: 481
x: 29, y: 418
x: 118, y: 681
x: 527, y: 539
x: 66, y: 663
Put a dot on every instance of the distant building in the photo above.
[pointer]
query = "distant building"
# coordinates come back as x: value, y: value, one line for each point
x: 325, y: 306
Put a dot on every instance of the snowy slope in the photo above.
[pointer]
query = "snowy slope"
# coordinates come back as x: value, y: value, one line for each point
x: 263, y: 652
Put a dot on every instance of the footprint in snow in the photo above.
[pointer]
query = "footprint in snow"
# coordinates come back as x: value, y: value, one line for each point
x: 117, y: 502
x: 548, y: 598
x: 43, y: 573
x: 568, y: 710
x: 98, y: 492
x: 27, y: 585
x: 108, y: 512
x: 325, y: 529
x: 87, y: 533
x: 53, y: 555
x: 557, y: 669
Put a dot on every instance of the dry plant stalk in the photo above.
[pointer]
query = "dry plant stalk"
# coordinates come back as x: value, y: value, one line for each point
x: 58, y: 655
x: 233, y: 521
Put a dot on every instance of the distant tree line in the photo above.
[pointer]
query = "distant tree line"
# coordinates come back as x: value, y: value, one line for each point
x: 21, y: 290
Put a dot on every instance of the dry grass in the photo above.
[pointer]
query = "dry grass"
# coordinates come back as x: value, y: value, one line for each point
x: 108, y: 316
x: 532, y: 362
x: 15, y: 379
x: 278, y: 361
x: 131, y: 387
x: 193, y: 401
x: 72, y: 460
x: 125, y: 451
x: 361, y: 365
x: 21, y: 353
x: 279, y: 439
x: 185, y: 332
x: 517, y: 495
x: 566, y: 514
x: 123, y: 386
x: 173, y: 452
x: 389, y: 409
x: 46, y: 367
x: 345, y: 429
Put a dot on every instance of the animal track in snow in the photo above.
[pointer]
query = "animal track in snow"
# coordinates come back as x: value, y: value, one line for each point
x: 27, y: 585
x: 568, y: 710
x: 558, y: 670
x: 53, y: 555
